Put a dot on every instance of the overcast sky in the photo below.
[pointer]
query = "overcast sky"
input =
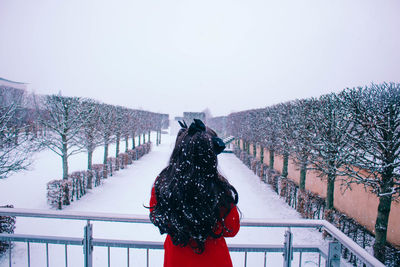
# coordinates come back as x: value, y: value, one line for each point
x: 172, y: 56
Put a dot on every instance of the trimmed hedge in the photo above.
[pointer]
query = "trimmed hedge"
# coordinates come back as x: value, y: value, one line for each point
x: 7, y: 225
x: 62, y: 192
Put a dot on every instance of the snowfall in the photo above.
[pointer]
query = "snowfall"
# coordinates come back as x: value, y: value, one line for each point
x: 128, y: 192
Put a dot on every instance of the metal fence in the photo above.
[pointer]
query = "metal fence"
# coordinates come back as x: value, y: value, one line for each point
x: 331, y: 257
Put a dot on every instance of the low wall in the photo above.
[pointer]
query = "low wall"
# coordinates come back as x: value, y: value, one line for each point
x: 356, y: 202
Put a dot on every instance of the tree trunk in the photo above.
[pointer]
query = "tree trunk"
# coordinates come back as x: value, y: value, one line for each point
x: 303, y: 173
x: 89, y: 167
x: 139, y: 140
x: 285, y: 164
x: 133, y: 140
x: 90, y: 159
x: 64, y: 157
x: 149, y: 137
x: 144, y: 138
x: 330, y: 191
x: 65, y: 167
x: 159, y: 138
x: 261, y: 154
x: 254, y: 150
x: 126, y: 143
x: 271, y: 158
x: 118, y: 139
x: 105, y: 160
x: 381, y: 225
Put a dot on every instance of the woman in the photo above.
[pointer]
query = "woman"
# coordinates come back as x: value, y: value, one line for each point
x: 193, y: 203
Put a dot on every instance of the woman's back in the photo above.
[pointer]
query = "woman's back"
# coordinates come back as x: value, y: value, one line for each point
x: 215, y: 249
x: 193, y: 203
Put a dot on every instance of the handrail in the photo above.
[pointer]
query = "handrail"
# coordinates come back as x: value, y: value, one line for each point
x: 131, y: 218
x: 75, y: 215
x: 147, y: 244
x: 115, y: 217
x: 330, y: 228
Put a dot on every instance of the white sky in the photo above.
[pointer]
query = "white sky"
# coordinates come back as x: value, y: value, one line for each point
x: 180, y: 55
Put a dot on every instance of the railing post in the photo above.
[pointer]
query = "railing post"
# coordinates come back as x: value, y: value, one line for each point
x: 288, y: 249
x: 334, y: 254
x: 87, y: 245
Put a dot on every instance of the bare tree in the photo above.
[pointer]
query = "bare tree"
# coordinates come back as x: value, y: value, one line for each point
x: 302, y: 135
x: 141, y: 126
x: 246, y: 126
x: 163, y: 124
x: 245, y: 130
x: 286, y: 124
x: 252, y: 128
x: 15, y: 146
x: 119, y: 115
x: 126, y: 127
x: 62, y: 116
x: 375, y: 155
x: 330, y: 145
x: 269, y: 133
x: 106, y: 119
x: 90, y: 136
x: 132, y: 126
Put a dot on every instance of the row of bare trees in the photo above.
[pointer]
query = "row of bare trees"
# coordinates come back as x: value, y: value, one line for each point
x: 66, y: 125
x: 353, y: 134
x: 78, y: 125
x: 16, y: 141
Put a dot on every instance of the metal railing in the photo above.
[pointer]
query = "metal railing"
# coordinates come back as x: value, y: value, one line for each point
x: 331, y: 257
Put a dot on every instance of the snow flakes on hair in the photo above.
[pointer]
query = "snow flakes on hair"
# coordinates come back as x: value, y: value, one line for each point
x: 191, y: 193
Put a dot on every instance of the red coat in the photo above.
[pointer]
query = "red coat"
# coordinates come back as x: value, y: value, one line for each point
x: 215, y: 253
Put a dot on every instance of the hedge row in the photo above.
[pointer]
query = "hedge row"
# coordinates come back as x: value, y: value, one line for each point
x: 7, y: 225
x: 312, y: 206
x: 63, y: 192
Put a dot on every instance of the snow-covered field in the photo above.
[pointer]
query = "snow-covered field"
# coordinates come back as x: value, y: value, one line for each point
x: 127, y: 192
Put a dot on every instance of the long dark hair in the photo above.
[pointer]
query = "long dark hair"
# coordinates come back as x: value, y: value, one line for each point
x: 192, y: 197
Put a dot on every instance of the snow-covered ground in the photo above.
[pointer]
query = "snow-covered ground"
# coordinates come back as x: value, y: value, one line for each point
x: 128, y: 191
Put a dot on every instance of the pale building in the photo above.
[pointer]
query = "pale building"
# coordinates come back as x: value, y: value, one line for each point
x: 12, y: 84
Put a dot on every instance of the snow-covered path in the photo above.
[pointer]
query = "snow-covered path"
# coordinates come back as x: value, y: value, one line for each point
x: 127, y: 192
